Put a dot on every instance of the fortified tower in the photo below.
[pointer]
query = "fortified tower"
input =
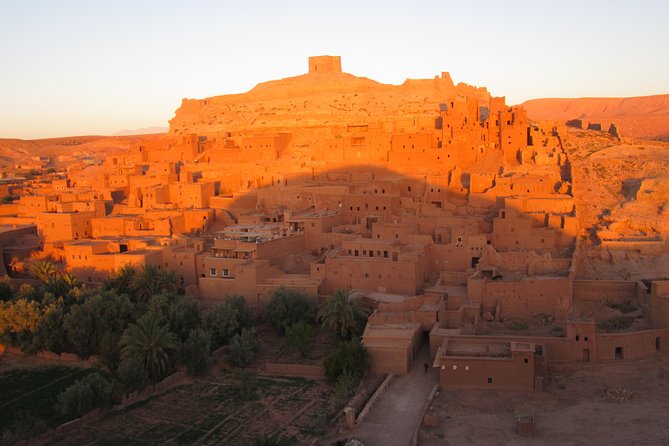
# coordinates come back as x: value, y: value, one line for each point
x: 325, y: 64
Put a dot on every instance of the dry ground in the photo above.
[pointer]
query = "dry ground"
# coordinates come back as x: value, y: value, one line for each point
x: 572, y: 410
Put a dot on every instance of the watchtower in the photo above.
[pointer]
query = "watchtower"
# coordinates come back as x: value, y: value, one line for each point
x: 325, y: 64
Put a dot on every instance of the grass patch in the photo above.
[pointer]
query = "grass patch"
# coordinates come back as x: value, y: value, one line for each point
x: 516, y: 326
x: 624, y: 307
x: 616, y: 323
x: 30, y: 394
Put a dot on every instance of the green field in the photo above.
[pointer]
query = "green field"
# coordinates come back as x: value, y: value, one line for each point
x: 220, y: 409
x: 29, y: 395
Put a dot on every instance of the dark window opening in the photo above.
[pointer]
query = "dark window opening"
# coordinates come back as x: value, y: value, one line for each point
x: 619, y: 353
x: 489, y: 380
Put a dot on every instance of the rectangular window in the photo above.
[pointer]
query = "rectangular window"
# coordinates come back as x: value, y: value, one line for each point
x: 212, y: 272
x: 226, y: 272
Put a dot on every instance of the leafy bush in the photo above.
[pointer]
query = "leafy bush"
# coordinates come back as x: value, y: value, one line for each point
x: 349, y: 357
x: 624, y: 307
x: 84, y: 395
x: 517, y: 326
x: 226, y: 319
x: 288, y: 307
x: 133, y: 375
x: 615, y: 323
x: 300, y: 336
x: 194, y: 353
x: 243, y: 348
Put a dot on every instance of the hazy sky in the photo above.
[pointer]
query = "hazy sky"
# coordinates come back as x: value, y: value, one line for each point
x: 72, y: 67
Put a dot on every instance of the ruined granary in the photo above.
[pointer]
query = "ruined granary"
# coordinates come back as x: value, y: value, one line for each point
x: 327, y: 181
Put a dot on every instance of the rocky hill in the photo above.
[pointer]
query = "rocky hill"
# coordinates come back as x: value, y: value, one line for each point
x: 640, y: 117
x: 317, y: 100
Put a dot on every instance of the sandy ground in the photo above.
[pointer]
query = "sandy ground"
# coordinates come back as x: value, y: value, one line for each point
x: 572, y: 410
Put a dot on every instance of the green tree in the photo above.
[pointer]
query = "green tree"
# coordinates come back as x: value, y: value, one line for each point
x: 149, y: 342
x: 350, y: 357
x: 343, y: 316
x: 19, y: 315
x: 84, y: 395
x: 132, y: 374
x: 244, y: 315
x: 100, y: 314
x: 184, y: 316
x: 194, y: 352
x: 243, y: 348
x: 222, y: 321
x: 300, y: 336
x: 288, y: 307
x: 49, y: 333
x: 43, y: 270
x: 151, y: 280
x: 121, y: 280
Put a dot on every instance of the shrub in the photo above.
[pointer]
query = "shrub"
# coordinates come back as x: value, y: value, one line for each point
x: 300, y: 336
x: 243, y: 348
x: 517, y: 326
x: 194, y: 353
x: 84, y: 395
x: 349, y: 357
x: 624, y: 307
x: 226, y: 319
x: 288, y: 307
x: 616, y: 323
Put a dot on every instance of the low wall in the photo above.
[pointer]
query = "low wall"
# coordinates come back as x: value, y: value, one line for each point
x: 300, y: 370
x: 617, y: 291
x: 636, y: 345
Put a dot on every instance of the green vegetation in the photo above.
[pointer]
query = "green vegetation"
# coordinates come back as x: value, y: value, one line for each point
x: 84, y: 395
x: 275, y: 440
x: 300, y: 337
x: 624, y: 307
x: 350, y: 357
x: 288, y: 307
x: 517, y: 326
x: 616, y: 323
x: 148, y: 342
x: 27, y: 399
x: 140, y: 325
x: 243, y: 348
x: 343, y: 316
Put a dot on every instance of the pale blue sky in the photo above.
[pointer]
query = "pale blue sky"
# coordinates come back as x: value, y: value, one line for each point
x: 73, y: 67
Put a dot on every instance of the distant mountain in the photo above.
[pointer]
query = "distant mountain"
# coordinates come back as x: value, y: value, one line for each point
x: 640, y: 117
x: 14, y: 150
x: 144, y: 131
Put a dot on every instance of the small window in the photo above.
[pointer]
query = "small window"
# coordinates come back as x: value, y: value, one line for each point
x: 212, y: 272
x: 489, y: 380
x: 226, y: 272
x: 526, y: 360
x: 577, y: 338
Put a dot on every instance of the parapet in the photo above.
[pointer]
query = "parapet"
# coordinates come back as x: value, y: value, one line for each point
x: 325, y: 64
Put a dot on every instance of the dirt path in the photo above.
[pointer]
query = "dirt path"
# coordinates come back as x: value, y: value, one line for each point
x: 392, y: 420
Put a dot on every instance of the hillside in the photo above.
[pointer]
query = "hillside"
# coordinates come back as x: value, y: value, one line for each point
x: 640, y: 117
x: 323, y: 99
x: 16, y: 150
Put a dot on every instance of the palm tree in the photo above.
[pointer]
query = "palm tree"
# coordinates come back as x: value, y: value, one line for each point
x: 43, y: 269
x: 151, y: 280
x: 148, y: 342
x: 121, y: 280
x: 342, y: 315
